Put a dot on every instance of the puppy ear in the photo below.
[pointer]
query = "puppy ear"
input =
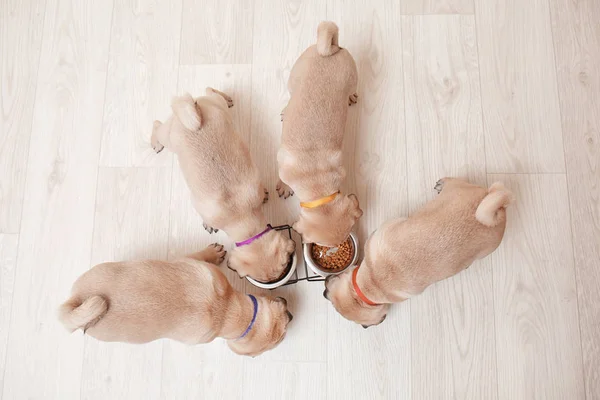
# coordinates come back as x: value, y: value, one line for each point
x: 291, y: 246
x: 297, y: 226
x: 357, y: 211
x: 185, y: 110
x: 235, y: 263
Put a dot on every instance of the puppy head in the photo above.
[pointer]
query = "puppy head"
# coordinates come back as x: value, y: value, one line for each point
x: 330, y: 224
x: 341, y: 293
x: 268, y: 330
x: 265, y: 259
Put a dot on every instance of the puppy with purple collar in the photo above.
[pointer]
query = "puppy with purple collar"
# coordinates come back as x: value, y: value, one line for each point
x: 188, y: 300
x: 224, y: 182
x: 404, y: 256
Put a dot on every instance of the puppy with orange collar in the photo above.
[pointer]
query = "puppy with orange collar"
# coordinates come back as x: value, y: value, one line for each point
x: 188, y: 300
x: 322, y: 85
x: 224, y: 182
x: 404, y: 256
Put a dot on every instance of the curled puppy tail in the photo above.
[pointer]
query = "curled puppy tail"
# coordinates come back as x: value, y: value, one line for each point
x: 327, y: 38
x: 489, y: 210
x: 185, y: 109
x: 77, y: 315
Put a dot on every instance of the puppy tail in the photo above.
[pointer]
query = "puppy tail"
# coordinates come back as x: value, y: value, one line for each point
x: 77, y: 315
x: 489, y: 212
x: 327, y: 38
x: 185, y: 109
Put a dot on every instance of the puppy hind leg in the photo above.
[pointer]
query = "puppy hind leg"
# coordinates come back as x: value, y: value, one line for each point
x: 439, y: 185
x: 284, y: 190
x: 266, y: 194
x: 160, y: 136
x: 214, y: 254
x: 226, y: 97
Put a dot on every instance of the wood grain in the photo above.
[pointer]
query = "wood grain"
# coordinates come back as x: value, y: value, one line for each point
x: 375, y: 156
x: 577, y: 45
x: 131, y: 222
x: 445, y: 138
x: 21, y: 24
x: 420, y: 7
x: 216, y: 32
x: 142, y: 78
x: 8, y: 261
x: 58, y: 209
x: 537, y: 336
x: 518, y: 86
x: 285, y: 381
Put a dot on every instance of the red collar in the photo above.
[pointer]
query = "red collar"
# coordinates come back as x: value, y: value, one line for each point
x: 359, y: 292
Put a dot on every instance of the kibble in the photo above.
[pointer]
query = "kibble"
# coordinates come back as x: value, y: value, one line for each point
x: 332, y: 259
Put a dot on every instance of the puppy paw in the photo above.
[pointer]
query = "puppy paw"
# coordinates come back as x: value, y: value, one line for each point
x: 210, y: 229
x: 352, y: 99
x: 157, y: 147
x: 154, y: 140
x: 281, y: 113
x: 284, y: 190
x: 266, y: 197
x: 214, y: 254
x: 439, y: 185
x: 225, y: 96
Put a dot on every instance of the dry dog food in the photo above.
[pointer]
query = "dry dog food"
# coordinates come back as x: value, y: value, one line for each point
x: 333, y: 257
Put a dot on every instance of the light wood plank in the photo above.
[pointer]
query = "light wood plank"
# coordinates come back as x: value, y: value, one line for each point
x: 8, y: 260
x: 43, y: 361
x: 577, y: 45
x: 273, y: 57
x: 131, y: 222
x: 216, y: 32
x: 21, y: 24
x: 537, y: 337
x: 285, y: 381
x: 420, y: 7
x: 375, y: 155
x: 518, y: 86
x: 142, y: 78
x: 452, y: 322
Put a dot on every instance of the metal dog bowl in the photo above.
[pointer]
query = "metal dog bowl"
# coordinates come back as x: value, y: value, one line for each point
x: 280, y: 282
x: 312, y: 264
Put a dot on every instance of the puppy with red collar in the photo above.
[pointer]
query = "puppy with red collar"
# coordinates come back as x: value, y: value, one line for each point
x: 404, y: 256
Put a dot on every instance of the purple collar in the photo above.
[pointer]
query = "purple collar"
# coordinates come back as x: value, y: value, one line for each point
x: 253, y: 238
x: 255, y: 303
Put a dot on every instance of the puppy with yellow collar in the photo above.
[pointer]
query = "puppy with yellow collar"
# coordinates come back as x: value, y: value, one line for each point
x: 404, y: 256
x: 322, y: 85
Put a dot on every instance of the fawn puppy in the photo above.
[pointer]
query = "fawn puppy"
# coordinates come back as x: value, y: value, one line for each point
x: 188, y: 300
x: 463, y: 224
x: 322, y: 85
x: 224, y: 182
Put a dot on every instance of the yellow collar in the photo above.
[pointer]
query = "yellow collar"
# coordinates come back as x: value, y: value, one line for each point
x: 319, y: 202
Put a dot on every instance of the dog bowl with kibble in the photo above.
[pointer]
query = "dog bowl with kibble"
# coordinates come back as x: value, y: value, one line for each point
x: 327, y: 261
x: 287, y: 274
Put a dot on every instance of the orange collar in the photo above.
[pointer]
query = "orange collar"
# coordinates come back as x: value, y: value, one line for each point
x: 359, y: 292
x: 319, y: 202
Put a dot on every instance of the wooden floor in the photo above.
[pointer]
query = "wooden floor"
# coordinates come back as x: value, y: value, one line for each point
x: 484, y: 89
